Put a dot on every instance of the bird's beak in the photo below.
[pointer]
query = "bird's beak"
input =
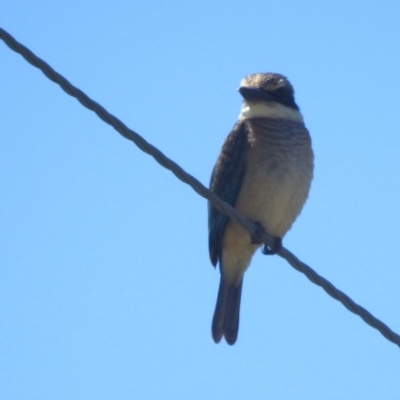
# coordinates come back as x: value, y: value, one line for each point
x: 254, y: 93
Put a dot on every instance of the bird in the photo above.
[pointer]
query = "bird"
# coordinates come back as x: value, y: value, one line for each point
x: 264, y: 171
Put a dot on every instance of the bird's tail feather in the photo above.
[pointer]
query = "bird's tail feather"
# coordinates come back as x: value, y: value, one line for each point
x: 226, y: 315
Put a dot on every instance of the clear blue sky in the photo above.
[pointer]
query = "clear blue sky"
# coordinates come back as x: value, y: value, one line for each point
x: 106, y: 289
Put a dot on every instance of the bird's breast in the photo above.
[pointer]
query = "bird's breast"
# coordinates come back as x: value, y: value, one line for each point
x: 278, y: 174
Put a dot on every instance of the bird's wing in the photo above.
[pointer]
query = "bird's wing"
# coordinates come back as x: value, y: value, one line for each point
x: 226, y: 181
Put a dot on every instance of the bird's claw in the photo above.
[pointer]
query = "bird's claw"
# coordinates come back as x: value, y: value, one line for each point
x: 271, y: 250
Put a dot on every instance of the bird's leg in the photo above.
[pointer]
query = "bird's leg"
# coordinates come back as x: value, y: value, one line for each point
x: 257, y: 239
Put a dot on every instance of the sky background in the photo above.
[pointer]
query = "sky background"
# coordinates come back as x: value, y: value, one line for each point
x: 106, y: 288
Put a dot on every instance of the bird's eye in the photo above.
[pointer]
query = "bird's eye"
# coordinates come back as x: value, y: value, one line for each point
x: 285, y: 97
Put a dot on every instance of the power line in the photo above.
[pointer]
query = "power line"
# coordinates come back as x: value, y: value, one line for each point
x: 196, y: 185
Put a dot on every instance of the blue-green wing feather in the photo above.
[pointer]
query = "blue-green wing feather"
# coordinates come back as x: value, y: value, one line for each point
x: 226, y: 181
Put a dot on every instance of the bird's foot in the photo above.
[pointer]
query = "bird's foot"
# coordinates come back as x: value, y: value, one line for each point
x: 257, y: 239
x: 271, y: 250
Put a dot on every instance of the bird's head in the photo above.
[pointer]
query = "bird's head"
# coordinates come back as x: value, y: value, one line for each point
x: 268, y: 95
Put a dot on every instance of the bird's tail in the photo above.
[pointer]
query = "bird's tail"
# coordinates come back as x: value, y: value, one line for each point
x: 226, y: 315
